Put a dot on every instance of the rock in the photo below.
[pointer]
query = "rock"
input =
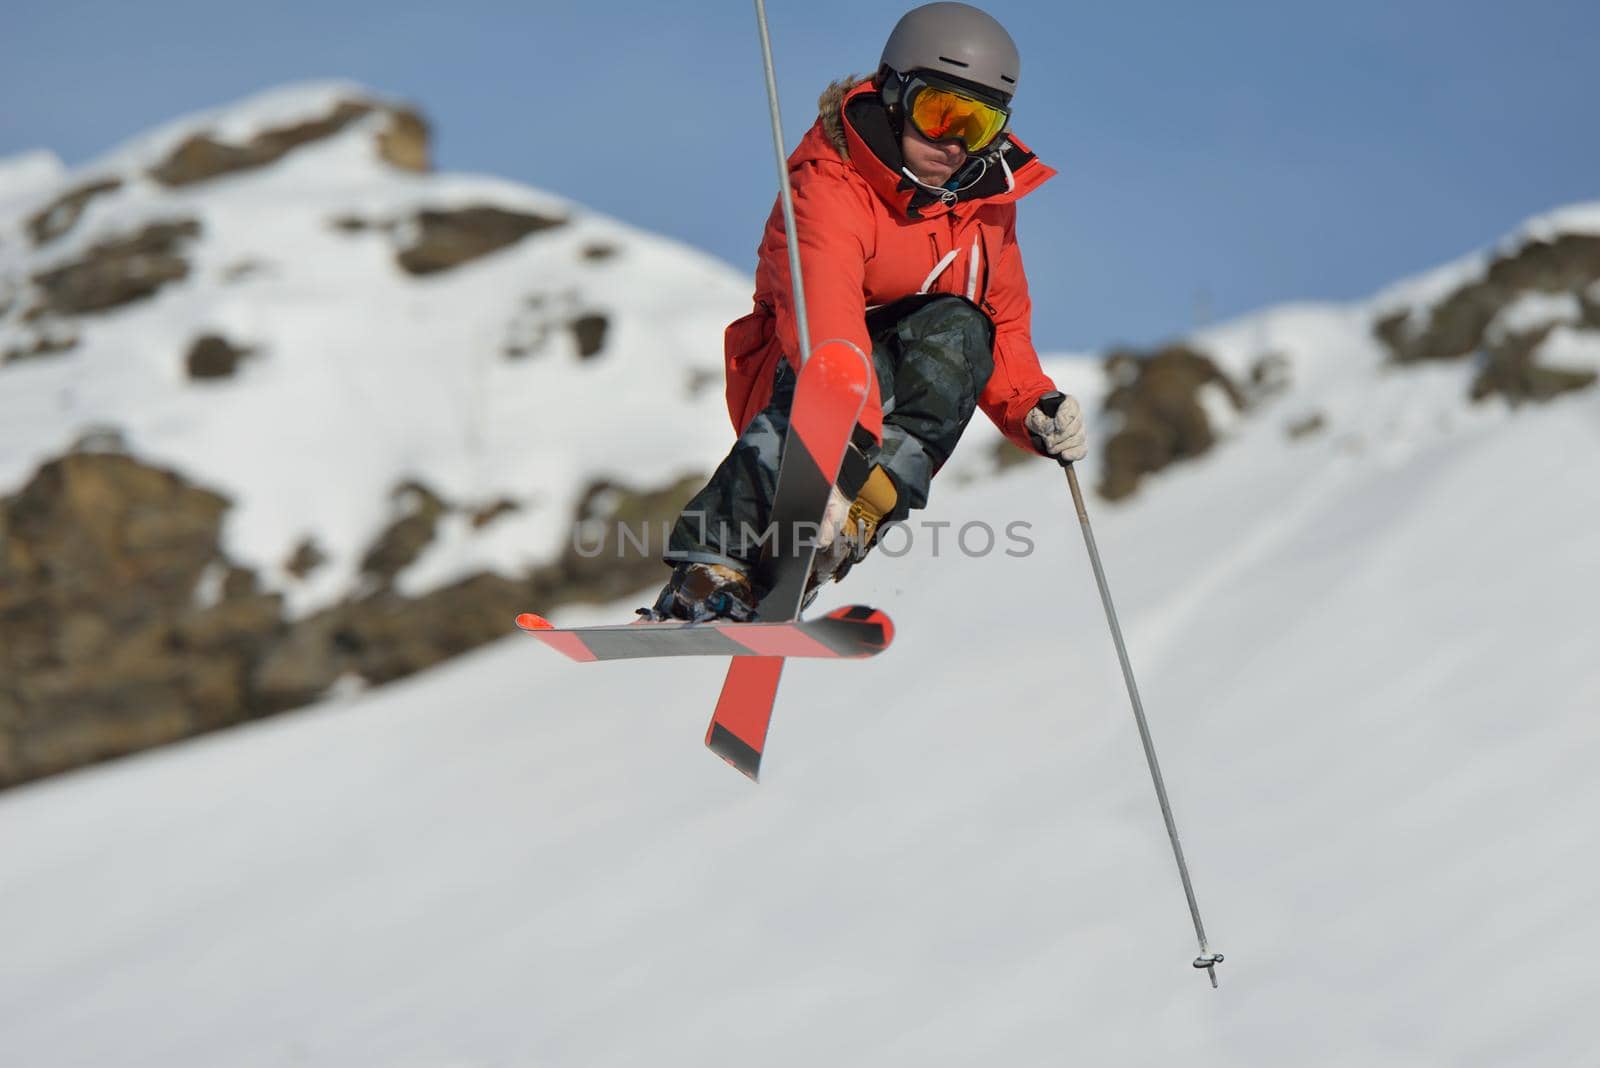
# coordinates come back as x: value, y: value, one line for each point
x: 386, y: 637
x: 200, y: 158
x: 404, y: 540
x: 116, y: 272
x: 213, y: 356
x: 619, y: 536
x: 404, y: 143
x: 391, y: 637
x: 307, y: 557
x: 1306, y: 426
x: 446, y: 239
x: 51, y: 341
x: 1158, y: 413
x: 590, y: 333
x: 1456, y: 326
x: 63, y: 213
x: 1511, y: 369
x: 102, y: 649
x: 482, y: 517
x: 90, y: 526
x: 123, y: 626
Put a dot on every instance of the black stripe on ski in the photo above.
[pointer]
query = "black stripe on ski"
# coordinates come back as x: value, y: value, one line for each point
x: 746, y: 759
x: 796, y: 518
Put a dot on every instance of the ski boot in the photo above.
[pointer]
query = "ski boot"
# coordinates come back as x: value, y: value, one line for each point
x: 698, y: 593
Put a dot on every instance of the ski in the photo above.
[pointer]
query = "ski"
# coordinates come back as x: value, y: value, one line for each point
x: 845, y: 633
x: 828, y: 400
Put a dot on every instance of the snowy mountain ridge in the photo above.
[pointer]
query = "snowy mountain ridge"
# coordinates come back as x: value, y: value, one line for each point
x: 1363, y: 626
x: 362, y: 375
x: 372, y: 406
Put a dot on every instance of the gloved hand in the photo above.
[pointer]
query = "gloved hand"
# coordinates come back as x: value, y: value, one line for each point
x: 1056, y: 426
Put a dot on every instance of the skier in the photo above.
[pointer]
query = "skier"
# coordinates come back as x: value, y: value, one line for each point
x: 905, y: 195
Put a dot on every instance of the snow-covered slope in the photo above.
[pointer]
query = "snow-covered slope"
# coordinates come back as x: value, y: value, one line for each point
x: 1368, y: 657
x: 363, y: 375
x: 1369, y: 661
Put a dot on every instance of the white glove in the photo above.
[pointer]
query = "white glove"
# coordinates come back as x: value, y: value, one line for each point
x: 1060, y: 435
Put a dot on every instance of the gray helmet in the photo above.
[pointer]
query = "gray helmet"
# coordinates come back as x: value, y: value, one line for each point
x: 956, y: 40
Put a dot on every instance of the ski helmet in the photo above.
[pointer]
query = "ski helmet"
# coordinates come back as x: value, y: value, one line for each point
x: 957, y: 41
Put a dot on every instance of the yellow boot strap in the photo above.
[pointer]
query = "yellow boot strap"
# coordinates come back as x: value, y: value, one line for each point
x: 876, y: 500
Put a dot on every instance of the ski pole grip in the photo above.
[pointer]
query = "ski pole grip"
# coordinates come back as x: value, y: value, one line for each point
x: 1049, y: 404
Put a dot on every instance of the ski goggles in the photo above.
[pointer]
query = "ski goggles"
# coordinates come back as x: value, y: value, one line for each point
x: 941, y: 113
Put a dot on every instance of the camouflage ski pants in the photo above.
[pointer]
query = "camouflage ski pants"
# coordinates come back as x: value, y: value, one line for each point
x: 932, y: 353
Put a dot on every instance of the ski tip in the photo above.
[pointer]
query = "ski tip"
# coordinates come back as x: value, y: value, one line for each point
x: 529, y: 621
x: 859, y: 615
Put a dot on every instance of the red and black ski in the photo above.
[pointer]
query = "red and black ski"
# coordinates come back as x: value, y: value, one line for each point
x: 828, y: 400
x: 855, y: 631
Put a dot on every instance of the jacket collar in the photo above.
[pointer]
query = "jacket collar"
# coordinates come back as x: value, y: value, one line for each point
x: 875, y: 154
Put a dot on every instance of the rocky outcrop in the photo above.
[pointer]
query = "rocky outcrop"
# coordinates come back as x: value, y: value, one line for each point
x: 1156, y: 408
x: 1462, y: 323
x: 405, y: 539
x: 386, y: 636
x: 63, y: 213
x: 213, y: 356
x: 619, y: 534
x: 105, y: 645
x: 1510, y: 368
x: 45, y: 339
x: 402, y: 141
x: 544, y: 316
x: 435, y: 240
x: 123, y: 625
x: 446, y: 239
x: 201, y: 157
x: 589, y: 331
x: 115, y: 272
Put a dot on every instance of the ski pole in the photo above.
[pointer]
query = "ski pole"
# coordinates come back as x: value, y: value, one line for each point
x: 801, y: 322
x: 1207, y: 959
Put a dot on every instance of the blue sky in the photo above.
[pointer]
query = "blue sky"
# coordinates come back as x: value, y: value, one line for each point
x: 1215, y: 158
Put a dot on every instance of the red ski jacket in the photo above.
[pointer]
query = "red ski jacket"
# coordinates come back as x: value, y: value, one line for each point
x: 869, y: 236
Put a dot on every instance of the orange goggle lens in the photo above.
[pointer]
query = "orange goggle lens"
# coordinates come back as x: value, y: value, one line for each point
x: 946, y: 115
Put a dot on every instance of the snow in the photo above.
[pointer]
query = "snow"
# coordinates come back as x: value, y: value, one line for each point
x: 25, y: 175
x: 1367, y: 656
x: 1369, y: 678
x: 237, y: 122
x: 1568, y: 347
x: 1569, y: 219
x: 364, y: 376
x: 1533, y: 310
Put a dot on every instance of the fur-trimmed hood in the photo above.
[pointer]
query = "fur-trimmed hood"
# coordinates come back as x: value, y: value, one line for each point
x: 830, y: 111
x: 854, y: 127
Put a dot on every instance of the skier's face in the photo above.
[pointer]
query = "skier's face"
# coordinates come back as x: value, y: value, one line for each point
x: 932, y: 162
